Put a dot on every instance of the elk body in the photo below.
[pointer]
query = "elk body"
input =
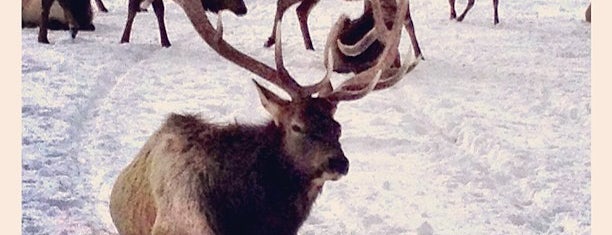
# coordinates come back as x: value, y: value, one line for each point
x: 73, y: 15
x: 135, y: 6
x: 469, y: 6
x: 194, y: 177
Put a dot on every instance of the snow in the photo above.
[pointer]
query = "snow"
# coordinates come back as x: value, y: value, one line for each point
x: 490, y: 134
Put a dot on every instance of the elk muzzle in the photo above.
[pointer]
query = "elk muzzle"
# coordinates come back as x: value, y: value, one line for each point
x: 338, y: 165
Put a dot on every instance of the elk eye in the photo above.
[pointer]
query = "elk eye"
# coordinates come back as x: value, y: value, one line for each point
x: 297, y: 128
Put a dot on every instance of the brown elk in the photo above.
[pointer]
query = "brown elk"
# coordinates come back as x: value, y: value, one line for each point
x: 303, y: 11
x: 73, y: 15
x: 134, y: 6
x: 470, y: 4
x: 194, y: 177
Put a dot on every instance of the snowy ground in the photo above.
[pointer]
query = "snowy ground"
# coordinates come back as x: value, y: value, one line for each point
x: 490, y: 134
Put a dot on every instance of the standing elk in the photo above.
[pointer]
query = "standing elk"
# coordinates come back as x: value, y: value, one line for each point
x: 73, y: 15
x: 303, y: 11
x: 194, y: 177
x: 470, y: 4
x: 134, y: 6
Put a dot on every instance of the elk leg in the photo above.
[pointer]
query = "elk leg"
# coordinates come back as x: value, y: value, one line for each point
x: 72, y: 24
x: 303, y: 10
x: 101, y: 6
x: 410, y: 28
x: 133, y: 7
x: 453, y: 13
x: 467, y: 8
x: 495, y: 16
x: 44, y: 21
x: 281, y: 7
x: 158, y: 8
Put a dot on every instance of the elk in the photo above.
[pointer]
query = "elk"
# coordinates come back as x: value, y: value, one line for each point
x: 195, y: 177
x: 358, y: 44
x: 73, y: 15
x: 303, y: 11
x: 134, y: 6
x: 469, y: 6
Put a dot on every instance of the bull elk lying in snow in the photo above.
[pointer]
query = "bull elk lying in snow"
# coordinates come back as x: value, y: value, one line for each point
x: 194, y: 177
x: 134, y: 6
x: 73, y: 15
x: 469, y: 6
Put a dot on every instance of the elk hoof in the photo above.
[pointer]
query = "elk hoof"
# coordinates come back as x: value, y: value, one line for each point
x: 43, y: 40
x: 270, y: 42
x: 73, y: 32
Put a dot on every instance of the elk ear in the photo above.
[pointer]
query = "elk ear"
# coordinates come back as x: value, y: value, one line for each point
x: 271, y: 102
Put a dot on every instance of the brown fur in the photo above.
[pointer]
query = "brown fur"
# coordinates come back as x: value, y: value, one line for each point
x: 73, y: 15
x: 147, y: 198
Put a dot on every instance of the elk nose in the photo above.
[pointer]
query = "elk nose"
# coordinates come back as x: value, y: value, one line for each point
x: 339, y: 164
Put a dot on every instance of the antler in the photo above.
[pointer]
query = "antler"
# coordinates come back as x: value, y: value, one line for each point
x: 378, y: 32
x: 381, y: 75
x: 353, y: 88
x: 214, y: 38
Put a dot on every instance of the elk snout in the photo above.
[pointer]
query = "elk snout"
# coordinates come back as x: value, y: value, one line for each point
x: 339, y: 164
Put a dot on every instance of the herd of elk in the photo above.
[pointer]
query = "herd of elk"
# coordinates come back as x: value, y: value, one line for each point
x: 76, y: 15
x: 195, y: 177
x: 73, y: 15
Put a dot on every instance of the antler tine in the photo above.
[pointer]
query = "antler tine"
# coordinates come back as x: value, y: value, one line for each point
x: 364, y: 82
x: 282, y: 73
x: 378, y: 32
x: 302, y: 91
x: 360, y: 46
x: 394, y: 75
x: 195, y: 12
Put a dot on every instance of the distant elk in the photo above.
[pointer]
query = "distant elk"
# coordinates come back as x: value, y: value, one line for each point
x: 134, y: 6
x: 469, y: 6
x: 303, y: 11
x: 195, y: 177
x: 73, y: 15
